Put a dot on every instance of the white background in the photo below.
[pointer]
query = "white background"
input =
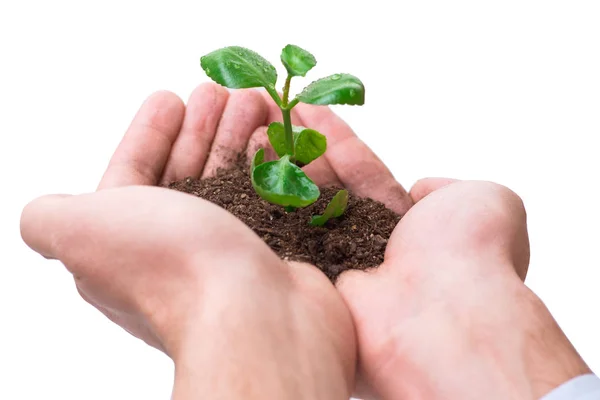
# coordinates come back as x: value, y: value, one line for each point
x: 506, y: 91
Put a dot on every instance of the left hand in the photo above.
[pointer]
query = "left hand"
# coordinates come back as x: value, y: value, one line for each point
x: 140, y: 257
x: 192, y: 280
x: 168, y: 141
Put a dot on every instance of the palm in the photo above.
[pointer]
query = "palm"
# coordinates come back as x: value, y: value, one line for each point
x: 414, y: 299
x: 138, y: 256
x: 124, y: 259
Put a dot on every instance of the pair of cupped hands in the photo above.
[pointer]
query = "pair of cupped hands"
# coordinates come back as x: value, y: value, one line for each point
x: 446, y: 316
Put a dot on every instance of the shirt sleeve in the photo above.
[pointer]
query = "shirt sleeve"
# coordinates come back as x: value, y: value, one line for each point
x: 584, y: 387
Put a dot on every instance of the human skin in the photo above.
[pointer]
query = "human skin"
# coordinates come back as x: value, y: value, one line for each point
x: 229, y: 313
x: 164, y: 266
x: 447, y: 314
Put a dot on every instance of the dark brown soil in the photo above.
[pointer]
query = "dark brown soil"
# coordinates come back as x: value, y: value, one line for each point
x: 356, y: 240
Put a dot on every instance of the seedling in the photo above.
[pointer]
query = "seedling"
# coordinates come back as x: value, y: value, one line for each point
x: 334, y: 209
x: 282, y: 181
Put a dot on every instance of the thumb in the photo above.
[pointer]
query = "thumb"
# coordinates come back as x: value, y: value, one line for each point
x: 41, y: 219
x: 425, y: 186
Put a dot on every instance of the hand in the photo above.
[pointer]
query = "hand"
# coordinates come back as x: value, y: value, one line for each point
x: 163, y: 265
x: 447, y: 315
x: 208, y: 139
x: 139, y: 256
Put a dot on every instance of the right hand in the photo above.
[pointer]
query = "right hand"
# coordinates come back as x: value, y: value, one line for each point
x: 447, y: 316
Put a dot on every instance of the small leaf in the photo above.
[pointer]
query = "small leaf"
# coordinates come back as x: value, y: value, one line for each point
x: 259, y: 158
x: 309, y: 145
x: 296, y: 60
x: 281, y: 182
x: 238, y: 68
x: 334, y: 209
x: 334, y: 89
x: 276, y: 134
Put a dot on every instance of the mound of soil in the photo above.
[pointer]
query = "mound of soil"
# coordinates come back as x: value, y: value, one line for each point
x: 356, y: 240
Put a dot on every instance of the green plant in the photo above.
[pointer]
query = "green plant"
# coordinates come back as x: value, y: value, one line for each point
x: 282, y: 181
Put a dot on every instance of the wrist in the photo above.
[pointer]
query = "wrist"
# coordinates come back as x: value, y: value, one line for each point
x: 260, y: 364
x: 549, y: 356
x: 260, y: 337
x: 478, y: 335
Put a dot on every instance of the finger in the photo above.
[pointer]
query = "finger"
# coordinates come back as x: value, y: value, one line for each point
x: 321, y: 172
x: 260, y: 140
x: 142, y: 154
x: 192, y: 146
x: 425, y: 186
x: 363, y: 173
x: 38, y: 222
x: 245, y: 111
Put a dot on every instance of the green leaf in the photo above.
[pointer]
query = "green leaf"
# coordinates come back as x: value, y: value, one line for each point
x: 259, y: 158
x: 238, y: 68
x: 281, y: 182
x: 334, y: 209
x: 276, y: 134
x: 296, y: 60
x: 309, y: 145
x: 334, y: 89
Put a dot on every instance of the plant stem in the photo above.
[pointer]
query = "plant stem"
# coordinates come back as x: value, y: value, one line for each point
x: 293, y: 103
x: 286, y: 90
x: 273, y: 93
x: 289, y: 135
x: 287, y: 119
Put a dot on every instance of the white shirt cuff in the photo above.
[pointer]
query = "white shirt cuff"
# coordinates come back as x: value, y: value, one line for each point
x: 584, y: 387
